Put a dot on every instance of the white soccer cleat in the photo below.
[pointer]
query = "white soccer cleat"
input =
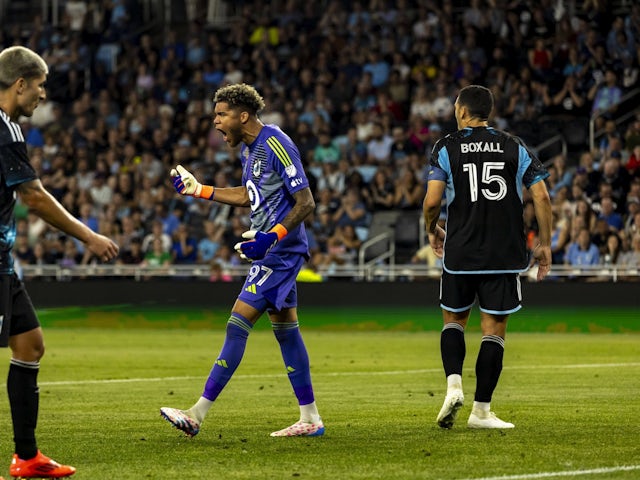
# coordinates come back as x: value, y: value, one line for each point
x: 479, y: 419
x: 301, y: 429
x: 452, y: 404
x: 180, y: 420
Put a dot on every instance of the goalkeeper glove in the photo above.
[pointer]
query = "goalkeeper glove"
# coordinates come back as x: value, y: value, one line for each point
x: 186, y: 184
x: 259, y: 243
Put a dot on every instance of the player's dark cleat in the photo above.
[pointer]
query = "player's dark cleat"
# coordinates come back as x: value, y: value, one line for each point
x: 301, y: 429
x: 39, y: 466
x: 452, y: 404
x: 180, y: 420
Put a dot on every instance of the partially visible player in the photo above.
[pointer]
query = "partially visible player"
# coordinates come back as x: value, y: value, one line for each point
x: 275, y: 186
x: 23, y: 74
x: 483, y: 245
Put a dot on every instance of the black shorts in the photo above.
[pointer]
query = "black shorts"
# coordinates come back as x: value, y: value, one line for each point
x: 17, y: 314
x: 499, y: 294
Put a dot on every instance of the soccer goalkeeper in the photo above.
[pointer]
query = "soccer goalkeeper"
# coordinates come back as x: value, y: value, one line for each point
x: 276, y: 189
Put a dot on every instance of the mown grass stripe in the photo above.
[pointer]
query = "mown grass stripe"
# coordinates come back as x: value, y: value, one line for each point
x: 572, y: 473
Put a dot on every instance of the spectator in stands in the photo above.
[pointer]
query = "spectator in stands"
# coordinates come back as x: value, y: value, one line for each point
x: 620, y: 44
x: 409, y: 193
x: 70, y: 255
x: 562, y: 172
x: 378, y: 67
x: 632, y: 222
x: 157, y: 233
x: 326, y: 150
x: 333, y: 178
x: 631, y: 141
x: 352, y: 210
x: 632, y: 257
x: 600, y: 233
x: 442, y: 104
x: 419, y: 133
x: 401, y: 147
x: 87, y: 217
x: 185, y: 247
x: 583, y: 209
x: 570, y: 100
x: 540, y: 59
x: 617, y: 177
x: 605, y: 97
x: 209, y: 245
x: 101, y: 192
x: 382, y: 190
x: 133, y: 255
x: 612, y: 251
x: 609, y: 215
x: 582, y: 251
x: 425, y: 255
x: 379, y: 146
x: 156, y: 257
x: 343, y: 246
x: 421, y: 103
x: 22, y: 250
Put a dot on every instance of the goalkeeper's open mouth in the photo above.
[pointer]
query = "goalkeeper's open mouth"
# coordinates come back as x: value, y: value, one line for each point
x: 224, y: 135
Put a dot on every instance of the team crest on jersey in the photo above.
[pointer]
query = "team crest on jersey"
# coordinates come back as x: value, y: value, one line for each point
x: 291, y: 171
x: 257, y: 168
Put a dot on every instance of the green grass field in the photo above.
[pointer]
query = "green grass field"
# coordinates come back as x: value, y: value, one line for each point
x: 574, y: 398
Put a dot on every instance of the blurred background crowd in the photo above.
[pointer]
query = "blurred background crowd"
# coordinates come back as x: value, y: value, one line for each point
x: 364, y: 88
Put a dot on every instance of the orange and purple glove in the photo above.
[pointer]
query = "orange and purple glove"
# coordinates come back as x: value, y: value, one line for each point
x: 258, y: 244
x: 186, y: 184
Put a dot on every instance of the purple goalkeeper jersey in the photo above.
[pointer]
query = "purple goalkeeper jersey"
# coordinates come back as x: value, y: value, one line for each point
x: 272, y: 172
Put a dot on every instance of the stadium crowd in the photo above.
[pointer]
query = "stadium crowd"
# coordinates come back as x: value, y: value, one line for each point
x: 365, y: 91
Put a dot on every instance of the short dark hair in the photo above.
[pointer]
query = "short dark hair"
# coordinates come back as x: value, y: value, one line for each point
x: 241, y: 96
x: 478, y: 100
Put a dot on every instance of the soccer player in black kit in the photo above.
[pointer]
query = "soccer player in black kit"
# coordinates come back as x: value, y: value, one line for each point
x: 481, y: 171
x: 23, y: 74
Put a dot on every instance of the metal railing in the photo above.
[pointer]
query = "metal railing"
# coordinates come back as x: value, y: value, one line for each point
x: 550, y: 142
x: 372, y: 270
x: 365, y: 267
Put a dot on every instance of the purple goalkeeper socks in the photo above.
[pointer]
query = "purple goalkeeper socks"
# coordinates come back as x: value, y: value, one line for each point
x: 296, y: 360
x: 238, y: 329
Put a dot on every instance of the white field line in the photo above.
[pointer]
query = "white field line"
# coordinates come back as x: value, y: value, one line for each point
x: 572, y: 473
x: 332, y: 374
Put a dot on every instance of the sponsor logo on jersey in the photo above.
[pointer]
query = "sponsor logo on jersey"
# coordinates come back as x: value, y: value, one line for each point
x: 251, y: 288
x: 296, y: 181
x: 257, y: 167
x: 481, y: 147
x: 291, y: 171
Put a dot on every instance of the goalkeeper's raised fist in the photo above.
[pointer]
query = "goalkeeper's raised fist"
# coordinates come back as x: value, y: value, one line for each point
x: 184, y: 182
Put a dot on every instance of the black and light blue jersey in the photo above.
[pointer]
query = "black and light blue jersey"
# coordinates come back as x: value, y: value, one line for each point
x: 484, y: 170
x: 14, y: 170
x: 272, y: 172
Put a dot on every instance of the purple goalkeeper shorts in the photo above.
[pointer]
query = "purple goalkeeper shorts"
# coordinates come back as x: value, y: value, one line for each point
x: 271, y: 282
